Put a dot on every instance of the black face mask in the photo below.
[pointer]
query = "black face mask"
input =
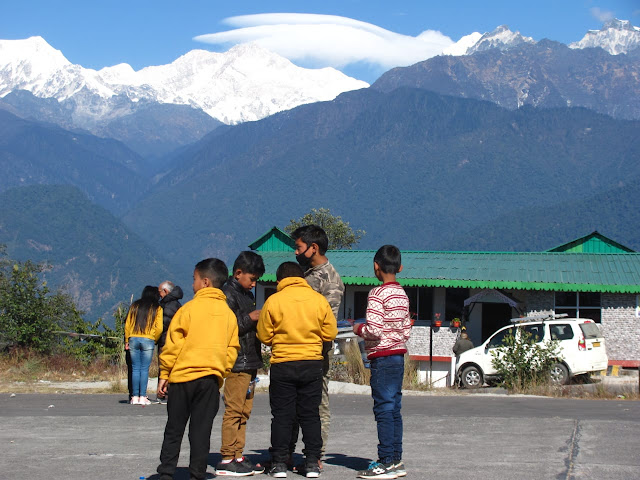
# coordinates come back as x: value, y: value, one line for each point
x: 304, y: 261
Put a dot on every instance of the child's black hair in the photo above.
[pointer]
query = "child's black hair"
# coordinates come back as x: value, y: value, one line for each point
x: 289, y: 269
x: 309, y: 234
x: 388, y: 258
x: 213, y: 269
x: 249, y: 262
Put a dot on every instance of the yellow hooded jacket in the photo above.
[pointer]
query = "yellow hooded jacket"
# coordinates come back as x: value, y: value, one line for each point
x: 154, y: 327
x: 202, y: 339
x: 295, y: 321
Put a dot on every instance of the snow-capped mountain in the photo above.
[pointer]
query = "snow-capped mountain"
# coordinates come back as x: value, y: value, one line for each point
x: 243, y: 84
x: 615, y: 37
x: 501, y: 38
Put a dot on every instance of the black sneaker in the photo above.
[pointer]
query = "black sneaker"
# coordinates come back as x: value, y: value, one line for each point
x: 256, y: 469
x: 311, y: 469
x: 378, y: 470
x: 233, y: 469
x: 278, y: 470
x: 399, y: 468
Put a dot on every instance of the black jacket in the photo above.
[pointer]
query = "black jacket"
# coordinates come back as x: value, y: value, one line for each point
x: 170, y: 306
x: 242, y: 303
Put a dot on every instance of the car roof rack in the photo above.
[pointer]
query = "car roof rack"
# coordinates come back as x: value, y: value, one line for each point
x: 543, y: 317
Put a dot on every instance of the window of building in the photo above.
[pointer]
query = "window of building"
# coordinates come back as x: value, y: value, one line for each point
x: 360, y: 305
x: 579, y: 305
x: 268, y: 291
x: 420, y: 302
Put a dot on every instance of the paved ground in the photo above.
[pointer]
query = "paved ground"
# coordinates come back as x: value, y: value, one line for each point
x: 75, y: 436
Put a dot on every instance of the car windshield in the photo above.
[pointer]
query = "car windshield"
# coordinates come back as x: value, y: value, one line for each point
x: 590, y: 330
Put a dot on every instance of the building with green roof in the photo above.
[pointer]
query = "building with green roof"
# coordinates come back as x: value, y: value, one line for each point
x: 590, y: 277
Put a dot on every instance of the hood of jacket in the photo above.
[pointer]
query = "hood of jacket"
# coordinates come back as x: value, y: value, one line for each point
x: 174, y: 295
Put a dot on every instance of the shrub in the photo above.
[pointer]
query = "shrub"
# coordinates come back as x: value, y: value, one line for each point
x: 522, y: 362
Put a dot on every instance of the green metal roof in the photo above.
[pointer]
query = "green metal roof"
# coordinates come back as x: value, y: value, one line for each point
x: 595, y: 242
x: 584, y: 272
x: 274, y: 240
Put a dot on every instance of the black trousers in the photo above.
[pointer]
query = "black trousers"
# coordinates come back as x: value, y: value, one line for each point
x: 295, y: 391
x: 197, y: 402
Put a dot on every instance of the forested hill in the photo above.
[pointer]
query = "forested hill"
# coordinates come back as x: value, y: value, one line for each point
x: 100, y: 261
x: 410, y: 167
x: 614, y: 213
x: 37, y: 153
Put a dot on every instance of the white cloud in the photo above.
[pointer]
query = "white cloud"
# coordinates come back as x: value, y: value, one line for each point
x: 602, y: 15
x: 329, y: 40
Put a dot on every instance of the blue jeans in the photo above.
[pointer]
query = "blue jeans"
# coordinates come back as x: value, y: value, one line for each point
x: 386, y: 389
x: 141, y: 350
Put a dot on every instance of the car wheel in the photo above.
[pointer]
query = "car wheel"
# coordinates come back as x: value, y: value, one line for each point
x: 559, y: 374
x: 471, y: 377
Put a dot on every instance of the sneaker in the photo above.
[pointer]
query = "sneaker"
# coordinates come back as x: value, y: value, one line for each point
x: 144, y: 401
x: 256, y: 469
x: 278, y: 470
x: 311, y: 470
x: 399, y: 468
x: 233, y: 469
x: 378, y: 470
x: 161, y: 400
x: 135, y: 400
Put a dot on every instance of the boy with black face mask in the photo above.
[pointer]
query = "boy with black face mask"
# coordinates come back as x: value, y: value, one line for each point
x: 311, y: 244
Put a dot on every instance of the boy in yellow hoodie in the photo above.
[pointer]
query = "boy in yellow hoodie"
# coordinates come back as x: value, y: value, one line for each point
x: 200, y: 349
x: 295, y: 321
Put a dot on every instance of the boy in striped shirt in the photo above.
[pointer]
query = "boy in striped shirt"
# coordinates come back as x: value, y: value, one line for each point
x: 385, y: 333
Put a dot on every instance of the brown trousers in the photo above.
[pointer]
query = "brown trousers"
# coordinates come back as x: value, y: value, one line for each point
x: 237, y: 410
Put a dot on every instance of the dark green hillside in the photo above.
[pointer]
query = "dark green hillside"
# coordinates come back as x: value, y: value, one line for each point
x: 615, y: 213
x: 410, y: 167
x: 99, y: 260
x: 33, y: 153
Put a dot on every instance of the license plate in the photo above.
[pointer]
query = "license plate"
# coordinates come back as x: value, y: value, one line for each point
x: 596, y: 344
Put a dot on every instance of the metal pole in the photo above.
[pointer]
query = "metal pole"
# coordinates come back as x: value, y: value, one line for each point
x: 430, y: 352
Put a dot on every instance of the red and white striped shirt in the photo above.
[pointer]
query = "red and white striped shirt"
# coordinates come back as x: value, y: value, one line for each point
x: 388, y: 324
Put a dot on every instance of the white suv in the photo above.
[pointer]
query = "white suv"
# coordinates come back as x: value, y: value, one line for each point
x: 581, y: 349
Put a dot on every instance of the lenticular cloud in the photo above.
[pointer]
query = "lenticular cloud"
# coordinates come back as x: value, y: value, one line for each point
x: 329, y: 40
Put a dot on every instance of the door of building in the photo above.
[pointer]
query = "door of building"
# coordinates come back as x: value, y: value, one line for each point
x: 494, y: 316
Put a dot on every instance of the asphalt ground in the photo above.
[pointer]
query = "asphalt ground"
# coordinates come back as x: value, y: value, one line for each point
x: 77, y: 436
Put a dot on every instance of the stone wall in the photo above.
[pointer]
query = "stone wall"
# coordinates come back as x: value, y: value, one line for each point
x: 620, y: 326
x: 443, y: 340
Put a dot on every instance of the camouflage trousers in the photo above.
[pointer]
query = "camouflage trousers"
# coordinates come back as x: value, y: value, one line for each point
x: 325, y: 414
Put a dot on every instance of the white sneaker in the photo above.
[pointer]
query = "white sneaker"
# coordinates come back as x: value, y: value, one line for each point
x: 144, y: 401
x: 135, y: 400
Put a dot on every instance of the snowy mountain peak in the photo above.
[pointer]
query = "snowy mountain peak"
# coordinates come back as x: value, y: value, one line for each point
x: 501, y: 38
x: 463, y: 45
x: 245, y: 83
x: 615, y: 37
x: 25, y: 61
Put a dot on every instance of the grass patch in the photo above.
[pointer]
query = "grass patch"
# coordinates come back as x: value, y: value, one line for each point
x: 26, y: 370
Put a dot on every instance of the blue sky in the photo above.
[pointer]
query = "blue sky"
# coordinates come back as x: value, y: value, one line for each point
x: 143, y: 32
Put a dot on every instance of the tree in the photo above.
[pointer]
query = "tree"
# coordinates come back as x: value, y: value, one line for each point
x: 341, y: 235
x: 29, y: 314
